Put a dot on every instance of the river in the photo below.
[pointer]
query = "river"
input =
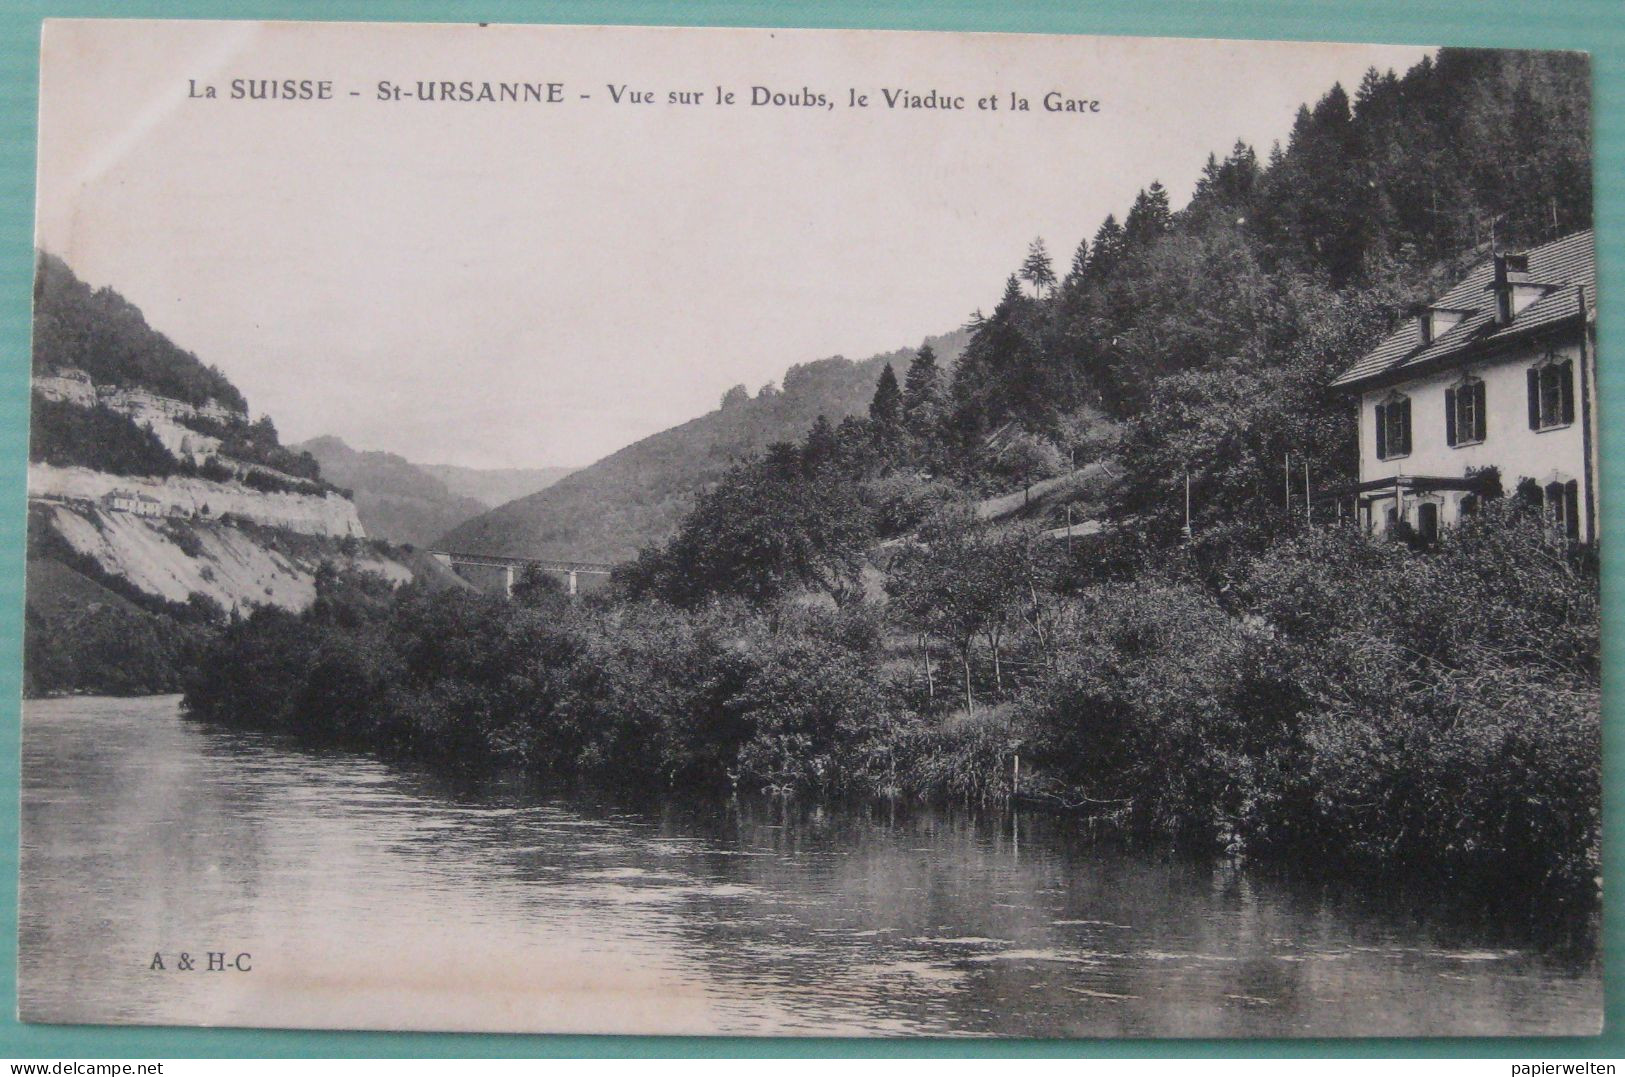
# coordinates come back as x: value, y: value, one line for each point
x: 370, y: 895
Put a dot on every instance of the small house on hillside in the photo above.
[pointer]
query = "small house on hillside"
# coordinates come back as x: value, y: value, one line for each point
x: 1497, y: 373
x: 137, y: 503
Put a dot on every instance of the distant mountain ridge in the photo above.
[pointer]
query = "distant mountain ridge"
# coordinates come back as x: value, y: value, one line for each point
x: 611, y: 509
x: 496, y: 486
x: 412, y: 504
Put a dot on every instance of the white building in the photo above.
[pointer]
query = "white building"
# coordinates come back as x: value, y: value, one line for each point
x: 1497, y: 373
x: 137, y: 503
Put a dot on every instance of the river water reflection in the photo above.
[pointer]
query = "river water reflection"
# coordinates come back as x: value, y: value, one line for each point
x: 376, y: 896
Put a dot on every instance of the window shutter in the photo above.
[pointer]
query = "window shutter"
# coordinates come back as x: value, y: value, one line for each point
x: 1382, y: 432
x: 1480, y: 413
x: 1404, y: 426
x: 1571, y: 508
x: 1534, y: 398
x: 1450, y: 417
x: 1565, y: 383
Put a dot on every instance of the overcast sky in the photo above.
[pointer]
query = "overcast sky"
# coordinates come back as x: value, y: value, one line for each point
x: 523, y: 284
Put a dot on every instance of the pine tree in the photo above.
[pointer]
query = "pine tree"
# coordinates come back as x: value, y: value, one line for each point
x: 1036, y: 269
x: 1011, y: 299
x: 887, y: 406
x: 924, y: 402
x: 1209, y: 181
x: 820, y: 446
x: 1107, y: 247
x: 922, y: 386
x: 1080, y: 261
x: 1240, y: 172
x: 1149, y: 217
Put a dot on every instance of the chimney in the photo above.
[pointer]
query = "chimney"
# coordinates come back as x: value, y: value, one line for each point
x: 1503, y: 292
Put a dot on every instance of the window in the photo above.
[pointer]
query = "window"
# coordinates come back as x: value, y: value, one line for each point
x: 1394, y: 427
x: 1563, y: 508
x: 1551, y: 394
x: 1464, y: 412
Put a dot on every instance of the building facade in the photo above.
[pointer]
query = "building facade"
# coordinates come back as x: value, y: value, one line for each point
x: 1490, y: 387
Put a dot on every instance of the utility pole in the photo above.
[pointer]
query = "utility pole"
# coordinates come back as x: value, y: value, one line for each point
x: 1187, y: 506
x: 1308, y: 504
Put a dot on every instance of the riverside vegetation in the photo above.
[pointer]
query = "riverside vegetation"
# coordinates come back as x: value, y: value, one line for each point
x: 844, y: 615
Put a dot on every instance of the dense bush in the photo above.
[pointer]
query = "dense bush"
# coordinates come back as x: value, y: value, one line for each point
x: 1349, y: 701
x: 66, y: 435
x: 642, y: 696
x: 107, y: 650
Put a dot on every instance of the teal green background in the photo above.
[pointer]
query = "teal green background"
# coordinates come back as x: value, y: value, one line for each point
x: 1597, y: 26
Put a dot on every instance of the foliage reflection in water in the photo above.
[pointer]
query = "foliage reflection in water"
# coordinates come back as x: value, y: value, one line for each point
x: 372, y: 896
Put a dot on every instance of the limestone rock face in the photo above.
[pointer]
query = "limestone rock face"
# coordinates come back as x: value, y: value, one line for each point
x: 174, y: 558
x: 193, y: 498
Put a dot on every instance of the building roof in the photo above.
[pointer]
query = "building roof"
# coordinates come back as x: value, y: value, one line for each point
x: 1565, y: 264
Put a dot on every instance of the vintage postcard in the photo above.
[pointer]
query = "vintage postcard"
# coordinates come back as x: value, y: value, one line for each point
x: 815, y: 533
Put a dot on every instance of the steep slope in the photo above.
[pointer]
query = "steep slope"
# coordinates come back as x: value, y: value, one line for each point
x: 496, y: 486
x: 396, y: 500
x: 155, y: 506
x: 100, y: 333
x: 607, y: 511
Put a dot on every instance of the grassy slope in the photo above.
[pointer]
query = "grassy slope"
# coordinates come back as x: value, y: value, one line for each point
x: 54, y: 589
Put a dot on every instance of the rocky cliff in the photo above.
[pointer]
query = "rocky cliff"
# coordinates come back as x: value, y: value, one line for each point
x: 156, y: 507
x: 238, y: 567
x: 191, y: 498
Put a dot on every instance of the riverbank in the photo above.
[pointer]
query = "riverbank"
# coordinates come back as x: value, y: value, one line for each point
x: 347, y: 877
x: 1333, y: 701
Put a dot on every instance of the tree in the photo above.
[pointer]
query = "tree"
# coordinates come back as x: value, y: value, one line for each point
x: 1004, y: 372
x: 1107, y: 247
x: 961, y: 581
x: 1149, y: 217
x: 922, y: 386
x: 886, y: 407
x: 1080, y: 262
x: 534, y: 586
x: 1036, y: 269
x: 764, y: 530
x: 1028, y: 458
x: 735, y: 397
x: 1084, y: 435
x: 820, y: 447
x: 1227, y: 185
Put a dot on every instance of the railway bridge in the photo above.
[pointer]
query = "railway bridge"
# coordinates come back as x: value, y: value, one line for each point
x: 490, y: 572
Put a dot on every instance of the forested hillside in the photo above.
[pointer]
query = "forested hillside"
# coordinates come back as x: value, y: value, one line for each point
x: 103, y: 334
x: 1194, y: 343
x: 608, y: 511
